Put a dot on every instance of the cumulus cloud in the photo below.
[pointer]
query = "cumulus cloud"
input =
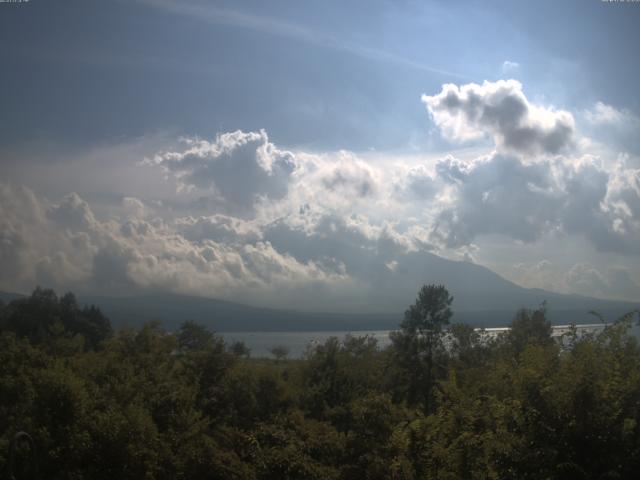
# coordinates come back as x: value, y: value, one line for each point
x: 416, y: 182
x: 30, y: 249
x: 324, y: 183
x: 240, y: 167
x: 133, y: 207
x: 496, y: 194
x: 357, y: 263
x: 339, y: 181
x: 526, y: 189
x: 352, y: 241
x: 72, y: 213
x: 501, y: 111
x: 502, y: 194
x: 349, y: 177
x: 64, y: 245
x: 622, y: 206
x: 278, y: 226
x: 219, y: 228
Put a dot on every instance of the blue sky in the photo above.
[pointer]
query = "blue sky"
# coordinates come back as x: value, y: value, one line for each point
x: 327, y: 75
x: 97, y: 98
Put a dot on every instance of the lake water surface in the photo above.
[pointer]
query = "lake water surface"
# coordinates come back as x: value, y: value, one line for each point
x: 261, y: 343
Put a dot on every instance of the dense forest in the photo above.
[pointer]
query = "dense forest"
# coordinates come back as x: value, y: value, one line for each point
x: 441, y: 402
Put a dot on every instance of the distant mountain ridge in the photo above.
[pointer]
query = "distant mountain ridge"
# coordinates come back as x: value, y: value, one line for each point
x: 7, y: 297
x: 224, y: 316
x: 481, y: 298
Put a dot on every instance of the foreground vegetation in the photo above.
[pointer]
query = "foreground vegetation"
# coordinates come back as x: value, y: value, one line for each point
x: 144, y: 403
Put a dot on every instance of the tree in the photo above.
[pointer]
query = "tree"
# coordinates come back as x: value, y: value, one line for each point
x: 94, y: 326
x: 420, y: 339
x: 240, y: 349
x: 194, y: 337
x: 280, y: 352
x: 530, y: 327
x: 43, y: 315
x: 466, y: 346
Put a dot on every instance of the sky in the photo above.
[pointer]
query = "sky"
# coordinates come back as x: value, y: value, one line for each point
x: 304, y: 154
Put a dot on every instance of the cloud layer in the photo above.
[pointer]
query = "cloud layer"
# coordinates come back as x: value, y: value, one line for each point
x: 279, y: 227
x: 502, y: 194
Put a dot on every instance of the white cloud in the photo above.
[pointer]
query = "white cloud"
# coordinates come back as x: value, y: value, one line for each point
x: 31, y: 250
x: 581, y: 278
x: 601, y: 113
x: 303, y: 260
x: 500, y: 110
x: 538, y: 274
x: 325, y: 183
x: 278, y: 226
x: 510, y: 68
x: 219, y: 228
x: 585, y: 279
x: 239, y: 167
x: 63, y: 245
x: 416, y: 183
x: 502, y: 194
x: 612, y: 129
x: 497, y: 194
x: 133, y: 207
x: 72, y: 213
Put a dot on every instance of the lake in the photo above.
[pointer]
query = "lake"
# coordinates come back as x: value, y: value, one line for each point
x: 261, y: 342
x: 297, y: 342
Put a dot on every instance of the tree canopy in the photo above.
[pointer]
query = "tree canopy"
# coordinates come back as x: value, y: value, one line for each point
x: 419, y: 342
x: 43, y: 317
x: 154, y: 404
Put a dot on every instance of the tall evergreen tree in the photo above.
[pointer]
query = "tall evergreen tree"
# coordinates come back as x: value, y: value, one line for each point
x: 420, y: 339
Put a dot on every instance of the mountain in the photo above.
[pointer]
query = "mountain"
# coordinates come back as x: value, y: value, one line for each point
x: 223, y: 316
x: 6, y: 297
x: 477, y: 288
x: 481, y: 298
